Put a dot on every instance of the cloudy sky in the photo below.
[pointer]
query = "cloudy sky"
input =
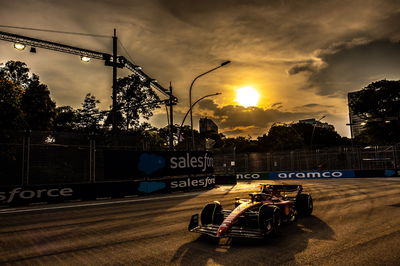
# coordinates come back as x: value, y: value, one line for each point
x: 302, y: 57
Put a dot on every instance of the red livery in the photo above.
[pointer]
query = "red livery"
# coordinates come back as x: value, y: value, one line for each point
x: 259, y: 216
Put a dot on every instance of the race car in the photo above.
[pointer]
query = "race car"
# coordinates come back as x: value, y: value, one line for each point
x: 257, y: 217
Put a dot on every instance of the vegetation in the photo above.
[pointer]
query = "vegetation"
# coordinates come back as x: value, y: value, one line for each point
x: 379, y: 105
x: 25, y: 104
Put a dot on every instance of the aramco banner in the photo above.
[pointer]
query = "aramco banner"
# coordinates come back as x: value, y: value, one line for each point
x: 312, y: 174
x: 132, y: 164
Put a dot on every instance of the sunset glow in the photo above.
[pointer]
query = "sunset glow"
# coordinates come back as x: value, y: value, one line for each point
x: 247, y: 96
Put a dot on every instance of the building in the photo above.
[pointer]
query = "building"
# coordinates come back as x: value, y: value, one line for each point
x: 206, y: 125
x: 357, y: 124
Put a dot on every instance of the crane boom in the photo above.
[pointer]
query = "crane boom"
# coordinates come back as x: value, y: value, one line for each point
x: 108, y: 58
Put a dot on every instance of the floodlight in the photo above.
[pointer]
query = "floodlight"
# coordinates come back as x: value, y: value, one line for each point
x: 85, y: 59
x: 19, y: 46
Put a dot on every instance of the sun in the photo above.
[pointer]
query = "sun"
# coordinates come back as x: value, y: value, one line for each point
x: 247, y: 96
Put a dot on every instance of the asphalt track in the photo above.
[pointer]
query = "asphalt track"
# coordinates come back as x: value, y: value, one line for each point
x: 355, y: 222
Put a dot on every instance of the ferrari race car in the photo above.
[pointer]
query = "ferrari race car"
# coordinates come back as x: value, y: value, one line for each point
x: 257, y: 217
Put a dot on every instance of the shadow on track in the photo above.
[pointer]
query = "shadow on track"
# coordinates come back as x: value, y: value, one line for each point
x: 294, y: 238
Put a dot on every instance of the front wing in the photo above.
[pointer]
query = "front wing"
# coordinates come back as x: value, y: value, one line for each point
x: 235, y: 231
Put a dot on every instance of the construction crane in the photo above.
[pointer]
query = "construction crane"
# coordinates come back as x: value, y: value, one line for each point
x: 112, y: 60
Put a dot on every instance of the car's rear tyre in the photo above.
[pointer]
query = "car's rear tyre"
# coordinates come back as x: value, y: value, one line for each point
x: 212, y: 214
x: 270, y: 219
x: 304, y: 204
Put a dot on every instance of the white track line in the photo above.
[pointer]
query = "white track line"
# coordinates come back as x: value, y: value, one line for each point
x: 7, y: 211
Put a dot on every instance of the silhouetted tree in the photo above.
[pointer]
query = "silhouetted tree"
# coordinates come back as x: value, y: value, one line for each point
x: 299, y: 136
x: 284, y: 138
x: 317, y: 136
x: 11, y: 115
x: 65, y: 119
x: 379, y: 104
x: 17, y: 72
x: 135, y: 99
x: 27, y: 101
x: 37, y: 105
x: 89, y: 116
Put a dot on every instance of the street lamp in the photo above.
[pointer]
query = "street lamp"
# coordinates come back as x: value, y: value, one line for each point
x: 189, y: 111
x: 190, y: 96
x: 315, y: 124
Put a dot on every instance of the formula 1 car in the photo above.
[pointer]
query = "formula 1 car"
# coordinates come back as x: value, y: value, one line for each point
x: 257, y: 217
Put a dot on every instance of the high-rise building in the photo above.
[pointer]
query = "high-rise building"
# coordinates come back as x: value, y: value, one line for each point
x: 206, y: 125
x: 357, y: 124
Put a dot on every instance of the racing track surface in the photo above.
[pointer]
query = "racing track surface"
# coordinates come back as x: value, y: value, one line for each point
x: 355, y: 222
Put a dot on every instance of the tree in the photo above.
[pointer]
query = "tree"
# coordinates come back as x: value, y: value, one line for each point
x: 16, y: 72
x: 316, y: 136
x: 299, y: 136
x: 26, y: 102
x: 11, y: 115
x: 379, y: 104
x: 65, y: 119
x: 284, y: 137
x: 134, y: 98
x: 37, y: 105
x: 89, y: 116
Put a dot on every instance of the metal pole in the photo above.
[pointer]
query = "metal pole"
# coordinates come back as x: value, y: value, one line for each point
x: 90, y: 157
x: 23, y: 159
x: 94, y: 159
x: 190, y: 109
x: 114, y: 82
x: 171, y: 120
x: 28, y: 156
x: 190, y: 96
x: 312, y: 134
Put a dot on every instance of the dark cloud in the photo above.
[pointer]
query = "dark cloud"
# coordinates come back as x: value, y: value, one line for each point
x: 232, y: 117
x: 307, y: 66
x: 315, y: 105
x: 326, y: 47
x: 277, y: 105
x: 354, y: 67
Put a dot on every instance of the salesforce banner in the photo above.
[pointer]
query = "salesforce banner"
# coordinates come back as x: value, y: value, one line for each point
x: 312, y: 174
x: 132, y: 164
x: 26, y: 195
x: 178, y: 184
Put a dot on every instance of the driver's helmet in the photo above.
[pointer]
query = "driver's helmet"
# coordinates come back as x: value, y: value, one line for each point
x: 276, y: 193
x: 260, y: 197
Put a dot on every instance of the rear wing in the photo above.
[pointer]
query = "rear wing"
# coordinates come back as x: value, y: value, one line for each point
x: 265, y: 188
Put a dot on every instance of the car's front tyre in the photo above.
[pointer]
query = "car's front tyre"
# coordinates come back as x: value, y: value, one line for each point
x: 212, y: 214
x: 270, y: 219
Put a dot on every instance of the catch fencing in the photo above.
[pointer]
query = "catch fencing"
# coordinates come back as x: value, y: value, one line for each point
x: 355, y: 158
x: 29, y: 158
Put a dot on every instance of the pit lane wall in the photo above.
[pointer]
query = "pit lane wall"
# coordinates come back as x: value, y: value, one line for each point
x: 286, y: 175
x: 36, y: 194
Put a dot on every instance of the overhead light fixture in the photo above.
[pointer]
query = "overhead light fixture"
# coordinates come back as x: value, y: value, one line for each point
x: 85, y: 58
x: 19, y: 46
x: 138, y: 68
x: 363, y: 123
x: 387, y: 121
